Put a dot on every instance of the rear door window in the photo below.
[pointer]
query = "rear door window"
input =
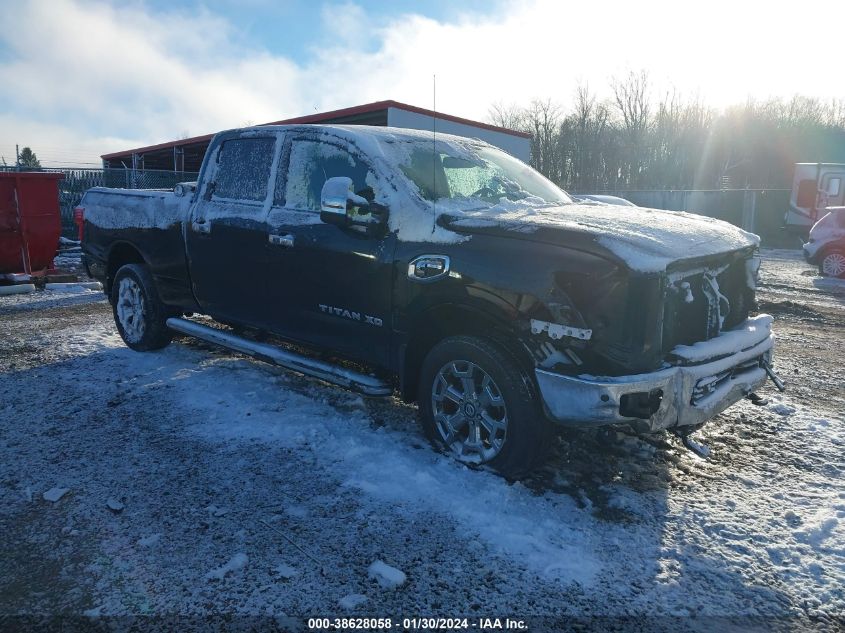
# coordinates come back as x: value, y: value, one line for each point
x: 833, y: 187
x: 244, y: 169
x: 314, y: 162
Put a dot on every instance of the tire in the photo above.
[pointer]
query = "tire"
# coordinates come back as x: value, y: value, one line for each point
x: 479, y: 406
x: 138, y: 312
x: 832, y: 264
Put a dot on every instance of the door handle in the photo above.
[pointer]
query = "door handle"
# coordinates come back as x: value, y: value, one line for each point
x: 285, y: 240
x: 201, y: 225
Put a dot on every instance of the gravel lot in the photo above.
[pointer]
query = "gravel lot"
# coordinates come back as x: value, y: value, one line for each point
x: 239, y: 488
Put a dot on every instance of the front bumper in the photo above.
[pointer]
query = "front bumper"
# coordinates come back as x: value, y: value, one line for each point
x: 706, y: 379
x: 810, y: 250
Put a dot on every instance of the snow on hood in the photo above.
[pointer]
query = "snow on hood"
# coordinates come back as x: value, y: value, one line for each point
x: 647, y: 240
x: 830, y: 226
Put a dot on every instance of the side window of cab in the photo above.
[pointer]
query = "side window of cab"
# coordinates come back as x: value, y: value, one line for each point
x: 311, y: 164
x: 243, y: 169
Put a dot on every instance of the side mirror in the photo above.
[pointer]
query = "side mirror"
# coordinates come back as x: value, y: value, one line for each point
x: 341, y: 206
x: 334, y: 199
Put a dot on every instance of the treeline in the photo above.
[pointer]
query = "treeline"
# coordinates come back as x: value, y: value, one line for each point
x: 638, y: 139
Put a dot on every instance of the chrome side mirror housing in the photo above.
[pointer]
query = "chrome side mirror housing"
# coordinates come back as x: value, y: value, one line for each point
x: 341, y: 206
x: 334, y: 200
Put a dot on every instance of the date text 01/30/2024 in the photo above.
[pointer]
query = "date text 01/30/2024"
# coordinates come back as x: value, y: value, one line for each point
x: 481, y: 624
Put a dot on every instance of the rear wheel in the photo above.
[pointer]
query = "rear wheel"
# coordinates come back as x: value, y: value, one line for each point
x: 139, y: 314
x: 833, y: 264
x: 479, y: 406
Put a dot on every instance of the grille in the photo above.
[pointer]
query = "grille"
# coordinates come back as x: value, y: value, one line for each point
x: 699, y: 306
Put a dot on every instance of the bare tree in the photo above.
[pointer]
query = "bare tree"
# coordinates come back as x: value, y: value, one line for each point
x: 510, y: 116
x: 641, y: 140
x: 543, y: 121
x: 583, y: 137
x: 632, y: 100
x: 631, y: 96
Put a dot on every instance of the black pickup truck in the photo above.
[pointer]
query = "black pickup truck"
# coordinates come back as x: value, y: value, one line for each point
x: 440, y: 267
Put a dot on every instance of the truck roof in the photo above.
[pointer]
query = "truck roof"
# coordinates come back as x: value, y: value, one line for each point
x: 380, y: 133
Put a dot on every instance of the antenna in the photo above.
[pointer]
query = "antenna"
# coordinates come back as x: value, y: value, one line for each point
x: 434, y: 152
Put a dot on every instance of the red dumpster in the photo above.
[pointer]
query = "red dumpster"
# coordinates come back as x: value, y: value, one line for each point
x: 30, y: 223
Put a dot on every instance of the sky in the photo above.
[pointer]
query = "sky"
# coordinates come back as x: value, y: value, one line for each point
x: 80, y: 78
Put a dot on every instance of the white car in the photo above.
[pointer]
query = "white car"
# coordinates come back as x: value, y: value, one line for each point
x: 826, y: 247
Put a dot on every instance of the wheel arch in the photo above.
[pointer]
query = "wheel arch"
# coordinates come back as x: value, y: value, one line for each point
x: 120, y: 254
x: 451, y: 319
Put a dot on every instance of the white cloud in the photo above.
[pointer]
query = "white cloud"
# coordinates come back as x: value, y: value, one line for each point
x: 84, y: 77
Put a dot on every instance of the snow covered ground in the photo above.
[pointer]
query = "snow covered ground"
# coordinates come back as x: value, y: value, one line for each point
x: 199, y: 482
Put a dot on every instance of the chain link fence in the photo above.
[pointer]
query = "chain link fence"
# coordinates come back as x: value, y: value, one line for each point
x: 77, y: 181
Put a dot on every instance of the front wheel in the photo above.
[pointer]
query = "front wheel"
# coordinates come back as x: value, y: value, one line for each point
x: 479, y: 406
x: 833, y: 264
x: 139, y: 314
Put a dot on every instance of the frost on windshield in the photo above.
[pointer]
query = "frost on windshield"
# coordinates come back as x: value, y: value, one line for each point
x: 485, y: 176
x: 244, y: 169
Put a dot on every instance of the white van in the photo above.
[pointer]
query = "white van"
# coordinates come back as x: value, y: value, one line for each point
x: 814, y: 187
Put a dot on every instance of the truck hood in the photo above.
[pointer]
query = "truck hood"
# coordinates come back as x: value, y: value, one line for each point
x: 646, y: 240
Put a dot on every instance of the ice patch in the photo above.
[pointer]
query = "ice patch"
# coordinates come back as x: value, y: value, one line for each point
x: 54, y: 494
x: 285, y: 571
x: 238, y: 561
x: 114, y: 505
x: 782, y: 409
x: 387, y: 577
x: 149, y: 541
x: 352, y: 601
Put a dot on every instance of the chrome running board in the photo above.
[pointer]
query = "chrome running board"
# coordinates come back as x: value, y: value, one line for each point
x: 356, y: 381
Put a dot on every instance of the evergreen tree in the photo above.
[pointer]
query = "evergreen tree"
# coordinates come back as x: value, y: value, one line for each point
x: 28, y: 159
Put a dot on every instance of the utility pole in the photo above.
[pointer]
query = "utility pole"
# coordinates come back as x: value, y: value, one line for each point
x: 17, y: 158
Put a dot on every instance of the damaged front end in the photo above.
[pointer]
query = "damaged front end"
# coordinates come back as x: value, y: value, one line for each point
x: 681, y: 348
x: 688, y: 393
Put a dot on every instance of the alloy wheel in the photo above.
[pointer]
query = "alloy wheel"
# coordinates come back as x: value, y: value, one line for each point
x: 131, y: 309
x: 833, y: 264
x: 469, y: 411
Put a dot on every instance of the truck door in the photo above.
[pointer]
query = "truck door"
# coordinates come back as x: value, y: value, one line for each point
x: 330, y: 286
x: 227, y: 231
